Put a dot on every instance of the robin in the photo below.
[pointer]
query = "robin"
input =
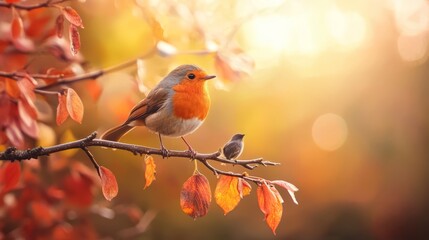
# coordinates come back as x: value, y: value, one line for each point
x: 234, y: 147
x: 176, y: 107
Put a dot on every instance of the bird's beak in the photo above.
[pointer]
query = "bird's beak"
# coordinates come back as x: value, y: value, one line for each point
x: 209, y: 77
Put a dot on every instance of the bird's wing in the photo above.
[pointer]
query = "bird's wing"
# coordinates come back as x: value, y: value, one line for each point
x: 233, y: 149
x: 151, y: 104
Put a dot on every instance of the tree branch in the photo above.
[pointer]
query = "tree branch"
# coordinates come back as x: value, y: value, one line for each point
x: 45, y: 4
x: 13, y: 154
x: 60, y: 79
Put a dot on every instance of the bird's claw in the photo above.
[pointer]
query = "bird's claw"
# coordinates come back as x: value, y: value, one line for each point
x: 192, y: 153
x: 165, y: 153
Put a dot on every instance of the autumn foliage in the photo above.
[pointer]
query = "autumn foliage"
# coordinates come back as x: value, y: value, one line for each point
x: 27, y: 96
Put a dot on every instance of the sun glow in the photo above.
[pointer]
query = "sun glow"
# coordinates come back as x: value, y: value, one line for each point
x: 306, y: 31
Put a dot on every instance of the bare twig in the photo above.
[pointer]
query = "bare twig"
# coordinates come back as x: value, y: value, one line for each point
x: 28, y: 7
x: 13, y: 154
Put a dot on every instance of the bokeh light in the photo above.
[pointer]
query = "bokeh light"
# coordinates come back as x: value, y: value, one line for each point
x: 329, y: 131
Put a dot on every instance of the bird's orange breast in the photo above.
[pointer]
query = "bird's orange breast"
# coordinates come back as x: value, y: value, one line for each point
x: 191, y: 99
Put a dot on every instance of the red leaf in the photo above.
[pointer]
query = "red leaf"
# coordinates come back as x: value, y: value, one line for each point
x: 74, y: 105
x: 150, y: 170
x: 62, y: 113
x: 38, y: 23
x: 195, y: 196
x: 10, y: 174
x: 226, y: 193
x: 57, y: 73
x: 3, y: 138
x: 5, y: 110
x: 63, y: 231
x: 43, y: 213
x: 16, y: 26
x: 270, y: 203
x: 77, y: 189
x: 59, y: 25
x: 72, y: 16
x: 27, y: 122
x: 12, y: 1
x: 14, y: 134
x: 74, y: 39
x: 109, y: 185
x: 26, y: 85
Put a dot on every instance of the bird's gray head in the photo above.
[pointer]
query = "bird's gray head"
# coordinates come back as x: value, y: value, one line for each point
x: 182, y: 72
x: 238, y: 136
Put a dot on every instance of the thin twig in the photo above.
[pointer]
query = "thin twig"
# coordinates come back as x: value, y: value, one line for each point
x: 60, y: 79
x: 28, y: 7
x: 91, y: 157
x: 13, y: 154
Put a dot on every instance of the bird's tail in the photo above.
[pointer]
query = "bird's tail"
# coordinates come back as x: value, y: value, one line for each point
x: 114, y: 134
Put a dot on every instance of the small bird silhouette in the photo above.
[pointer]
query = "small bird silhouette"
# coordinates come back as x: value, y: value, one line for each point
x: 234, y: 147
x: 176, y: 107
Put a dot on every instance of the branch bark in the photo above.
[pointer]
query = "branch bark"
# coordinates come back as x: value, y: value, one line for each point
x: 29, y: 7
x: 13, y: 154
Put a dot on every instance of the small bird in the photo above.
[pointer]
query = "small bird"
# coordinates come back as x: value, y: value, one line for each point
x: 234, y: 147
x: 175, y: 107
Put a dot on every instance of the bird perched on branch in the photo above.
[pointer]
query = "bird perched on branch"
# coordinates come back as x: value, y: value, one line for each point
x: 176, y: 107
x: 233, y: 149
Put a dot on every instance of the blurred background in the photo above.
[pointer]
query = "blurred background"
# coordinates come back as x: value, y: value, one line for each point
x: 336, y: 91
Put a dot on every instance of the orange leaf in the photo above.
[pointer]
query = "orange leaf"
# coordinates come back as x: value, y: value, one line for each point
x: 226, y: 193
x: 74, y: 105
x: 9, y: 175
x: 195, y: 196
x: 270, y: 203
x: 94, y: 89
x: 59, y: 25
x: 108, y: 183
x: 72, y: 16
x: 16, y: 26
x: 12, y: 1
x: 74, y: 39
x: 243, y: 187
x: 27, y: 85
x: 150, y: 170
x: 62, y: 113
x: 12, y: 88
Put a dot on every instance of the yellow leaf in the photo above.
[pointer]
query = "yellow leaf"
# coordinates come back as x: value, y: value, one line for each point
x: 150, y: 170
x: 226, y: 193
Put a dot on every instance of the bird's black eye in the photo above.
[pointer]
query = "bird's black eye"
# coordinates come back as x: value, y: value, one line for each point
x: 191, y: 76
